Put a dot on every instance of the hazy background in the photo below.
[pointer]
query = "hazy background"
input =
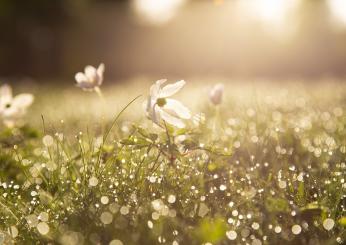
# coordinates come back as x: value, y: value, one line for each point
x: 53, y: 39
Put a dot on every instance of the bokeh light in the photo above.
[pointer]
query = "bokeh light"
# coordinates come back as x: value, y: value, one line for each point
x: 338, y: 9
x: 157, y: 11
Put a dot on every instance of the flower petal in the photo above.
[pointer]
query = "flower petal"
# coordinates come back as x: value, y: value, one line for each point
x: 215, y: 94
x: 90, y: 73
x: 156, y: 115
x: 155, y: 88
x: 5, y: 94
x: 80, y: 77
x: 178, y: 108
x: 171, y: 119
x: 101, y: 69
x: 22, y: 101
x: 171, y: 89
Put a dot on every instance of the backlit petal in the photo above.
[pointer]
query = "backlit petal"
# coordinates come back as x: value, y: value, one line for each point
x: 90, y: 73
x: 171, y: 119
x: 22, y: 101
x: 5, y: 94
x: 155, y: 88
x: 80, y: 77
x: 178, y: 108
x: 171, y: 89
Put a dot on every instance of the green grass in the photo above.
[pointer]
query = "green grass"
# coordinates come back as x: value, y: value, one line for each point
x: 268, y: 159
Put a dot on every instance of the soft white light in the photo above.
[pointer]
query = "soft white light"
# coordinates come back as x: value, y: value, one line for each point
x: 338, y: 9
x: 157, y: 11
x: 272, y: 12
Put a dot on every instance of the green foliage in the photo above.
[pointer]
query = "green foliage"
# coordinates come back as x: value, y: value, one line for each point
x: 255, y: 169
x: 211, y: 230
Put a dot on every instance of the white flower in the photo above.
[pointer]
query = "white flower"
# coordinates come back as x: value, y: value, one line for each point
x: 13, y: 108
x: 91, y: 79
x: 159, y: 106
x: 215, y: 94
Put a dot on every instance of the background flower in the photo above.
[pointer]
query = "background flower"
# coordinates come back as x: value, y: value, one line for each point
x: 91, y: 78
x: 216, y: 93
x: 13, y: 108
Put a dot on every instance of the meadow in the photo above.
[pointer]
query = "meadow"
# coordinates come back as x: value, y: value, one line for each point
x: 254, y: 163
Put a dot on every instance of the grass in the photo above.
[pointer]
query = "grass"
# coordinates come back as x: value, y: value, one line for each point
x: 266, y: 167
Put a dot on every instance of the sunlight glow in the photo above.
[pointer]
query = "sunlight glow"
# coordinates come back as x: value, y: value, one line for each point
x: 271, y: 11
x: 338, y: 9
x: 157, y: 11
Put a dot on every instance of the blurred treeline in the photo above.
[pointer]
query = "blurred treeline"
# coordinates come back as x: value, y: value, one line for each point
x: 55, y: 38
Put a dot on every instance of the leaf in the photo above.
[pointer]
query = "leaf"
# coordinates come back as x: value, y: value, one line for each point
x: 342, y: 221
x: 211, y: 230
x: 276, y: 204
x: 301, y: 194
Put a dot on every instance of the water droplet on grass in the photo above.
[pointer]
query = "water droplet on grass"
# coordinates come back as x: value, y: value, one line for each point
x: 296, y: 229
x: 106, y: 218
x: 43, y: 228
x: 328, y: 224
x: 93, y: 181
x: 231, y: 235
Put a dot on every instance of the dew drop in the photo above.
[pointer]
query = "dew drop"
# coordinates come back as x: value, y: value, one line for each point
x: 116, y: 242
x: 231, y: 235
x: 328, y: 224
x: 48, y: 140
x: 124, y: 210
x: 43, y: 228
x: 222, y: 187
x: 282, y: 184
x: 93, y: 181
x: 255, y: 226
x: 277, y: 229
x: 150, y: 224
x: 171, y: 199
x: 106, y: 218
x: 296, y: 229
x: 104, y: 200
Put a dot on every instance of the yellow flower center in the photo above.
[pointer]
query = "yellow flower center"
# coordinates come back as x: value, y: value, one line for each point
x: 161, y: 102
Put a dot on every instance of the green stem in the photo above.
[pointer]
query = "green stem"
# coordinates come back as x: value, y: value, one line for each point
x: 105, y: 136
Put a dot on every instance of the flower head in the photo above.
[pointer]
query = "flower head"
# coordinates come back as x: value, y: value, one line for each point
x: 216, y: 93
x: 13, y: 108
x: 91, y: 79
x: 161, y: 107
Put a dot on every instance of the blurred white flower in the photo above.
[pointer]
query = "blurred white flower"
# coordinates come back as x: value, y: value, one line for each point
x: 13, y: 108
x: 159, y: 106
x: 91, y: 79
x: 215, y: 94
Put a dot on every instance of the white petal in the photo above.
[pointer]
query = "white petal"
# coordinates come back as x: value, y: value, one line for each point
x: 178, y: 108
x: 171, y: 89
x: 156, y: 115
x: 216, y: 93
x: 90, y: 73
x: 22, y: 101
x: 101, y: 69
x: 155, y: 88
x: 171, y: 119
x: 80, y: 77
x: 12, y: 113
x: 5, y: 94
